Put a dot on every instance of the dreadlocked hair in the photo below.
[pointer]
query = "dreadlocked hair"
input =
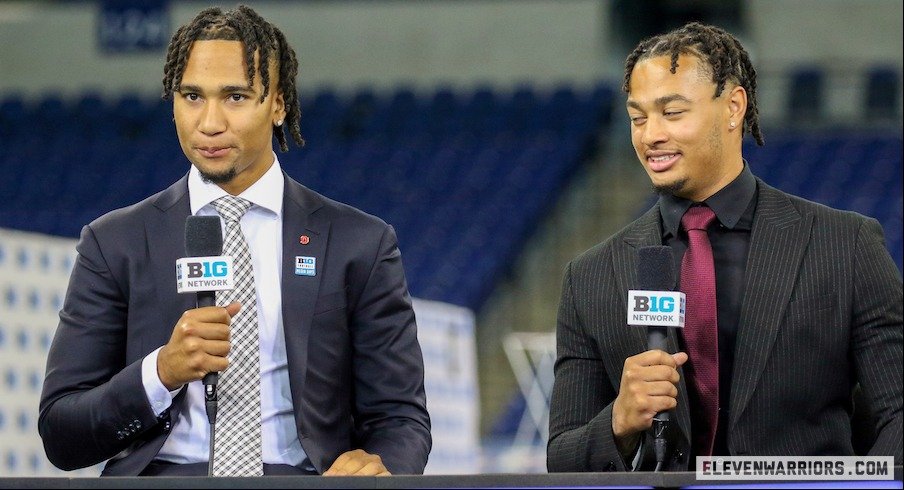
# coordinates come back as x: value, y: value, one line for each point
x: 727, y: 61
x: 258, y: 36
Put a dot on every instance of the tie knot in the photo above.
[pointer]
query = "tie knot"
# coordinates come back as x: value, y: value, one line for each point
x: 698, y: 218
x: 232, y: 208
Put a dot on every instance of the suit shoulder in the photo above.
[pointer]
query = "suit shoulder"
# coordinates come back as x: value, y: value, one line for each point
x: 603, y: 250
x: 824, y: 214
x: 122, y: 220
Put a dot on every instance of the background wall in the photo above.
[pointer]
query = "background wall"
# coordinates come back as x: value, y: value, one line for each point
x: 342, y: 44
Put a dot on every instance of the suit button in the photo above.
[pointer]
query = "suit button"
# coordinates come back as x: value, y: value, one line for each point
x: 120, y: 435
x: 610, y: 466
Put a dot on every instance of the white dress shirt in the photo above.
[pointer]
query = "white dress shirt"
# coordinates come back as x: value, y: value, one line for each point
x: 262, y: 226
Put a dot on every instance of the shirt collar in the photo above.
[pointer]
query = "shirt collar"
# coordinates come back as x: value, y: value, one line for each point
x: 733, y: 205
x: 266, y: 193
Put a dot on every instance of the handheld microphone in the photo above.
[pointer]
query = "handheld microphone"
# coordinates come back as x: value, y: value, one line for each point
x: 205, y: 271
x: 656, y: 306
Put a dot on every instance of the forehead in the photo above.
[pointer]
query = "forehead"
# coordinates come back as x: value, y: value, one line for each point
x: 220, y: 60
x: 653, y: 75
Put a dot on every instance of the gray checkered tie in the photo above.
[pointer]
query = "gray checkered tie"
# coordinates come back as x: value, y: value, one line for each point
x: 237, y: 446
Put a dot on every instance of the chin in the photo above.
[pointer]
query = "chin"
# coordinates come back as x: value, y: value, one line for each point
x: 221, y: 177
x: 673, y: 187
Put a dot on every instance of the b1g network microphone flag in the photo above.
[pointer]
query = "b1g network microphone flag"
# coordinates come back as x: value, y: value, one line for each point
x: 655, y: 304
x: 204, y: 270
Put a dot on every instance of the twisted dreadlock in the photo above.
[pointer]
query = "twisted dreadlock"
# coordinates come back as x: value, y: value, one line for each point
x: 727, y: 61
x: 258, y: 36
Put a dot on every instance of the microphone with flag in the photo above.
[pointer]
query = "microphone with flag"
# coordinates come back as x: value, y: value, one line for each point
x: 656, y: 306
x: 204, y: 271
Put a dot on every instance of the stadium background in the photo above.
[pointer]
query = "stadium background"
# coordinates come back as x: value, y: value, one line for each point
x: 490, y: 133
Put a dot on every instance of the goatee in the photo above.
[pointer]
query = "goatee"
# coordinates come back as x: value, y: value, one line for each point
x: 218, y: 178
x: 672, y: 188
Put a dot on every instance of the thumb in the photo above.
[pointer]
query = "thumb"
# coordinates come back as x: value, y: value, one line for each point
x: 233, y: 308
x: 680, y: 357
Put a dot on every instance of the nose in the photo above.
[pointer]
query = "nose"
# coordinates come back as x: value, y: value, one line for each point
x: 212, y: 119
x: 653, y: 132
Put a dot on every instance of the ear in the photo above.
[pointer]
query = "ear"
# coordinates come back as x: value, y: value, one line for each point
x: 279, y: 109
x: 737, y: 106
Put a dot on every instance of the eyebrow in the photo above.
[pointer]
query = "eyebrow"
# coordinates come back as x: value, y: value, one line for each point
x: 225, y: 89
x: 661, y: 101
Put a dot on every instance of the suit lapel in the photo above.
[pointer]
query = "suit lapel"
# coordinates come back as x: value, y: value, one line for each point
x: 165, y: 233
x: 778, y: 240
x: 646, y: 232
x: 299, y: 292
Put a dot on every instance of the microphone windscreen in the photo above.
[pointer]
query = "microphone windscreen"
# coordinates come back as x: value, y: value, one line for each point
x: 655, y: 268
x: 203, y: 236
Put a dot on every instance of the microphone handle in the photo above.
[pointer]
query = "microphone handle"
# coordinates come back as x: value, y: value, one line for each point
x: 657, y: 338
x: 208, y: 298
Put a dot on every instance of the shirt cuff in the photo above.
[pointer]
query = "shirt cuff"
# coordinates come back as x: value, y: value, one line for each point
x: 635, y: 462
x: 159, y: 397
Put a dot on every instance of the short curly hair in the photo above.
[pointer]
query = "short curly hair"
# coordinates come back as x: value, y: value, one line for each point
x: 726, y: 58
x: 258, y: 36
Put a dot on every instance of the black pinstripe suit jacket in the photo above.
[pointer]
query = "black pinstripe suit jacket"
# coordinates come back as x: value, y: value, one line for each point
x: 822, y: 311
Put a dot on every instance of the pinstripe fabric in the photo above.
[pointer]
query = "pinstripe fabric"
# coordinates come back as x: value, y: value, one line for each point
x: 822, y: 311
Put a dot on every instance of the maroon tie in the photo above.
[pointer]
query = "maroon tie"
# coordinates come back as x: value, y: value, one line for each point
x: 698, y: 282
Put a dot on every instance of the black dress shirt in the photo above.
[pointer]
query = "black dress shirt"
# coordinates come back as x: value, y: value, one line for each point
x: 729, y: 236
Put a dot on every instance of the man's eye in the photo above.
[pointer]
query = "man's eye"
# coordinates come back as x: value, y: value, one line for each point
x: 191, y: 97
x: 237, y: 97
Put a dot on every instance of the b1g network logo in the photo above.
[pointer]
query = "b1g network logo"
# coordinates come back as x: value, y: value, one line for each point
x: 195, y: 274
x: 656, y: 308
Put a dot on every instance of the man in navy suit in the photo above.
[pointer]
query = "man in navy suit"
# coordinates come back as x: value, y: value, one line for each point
x: 341, y: 370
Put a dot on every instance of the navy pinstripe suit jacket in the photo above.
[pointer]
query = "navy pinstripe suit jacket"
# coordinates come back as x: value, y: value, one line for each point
x: 822, y: 312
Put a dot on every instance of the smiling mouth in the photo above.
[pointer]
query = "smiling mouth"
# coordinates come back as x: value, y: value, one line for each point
x: 661, y: 163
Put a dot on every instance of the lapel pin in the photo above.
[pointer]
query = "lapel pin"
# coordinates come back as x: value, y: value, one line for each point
x: 304, y: 239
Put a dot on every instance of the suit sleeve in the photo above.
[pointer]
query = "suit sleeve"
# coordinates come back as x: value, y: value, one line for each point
x: 580, y: 414
x: 877, y: 331
x: 92, y: 405
x: 391, y: 417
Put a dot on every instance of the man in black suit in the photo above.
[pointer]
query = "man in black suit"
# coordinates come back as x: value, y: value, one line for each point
x: 806, y: 304
x: 341, y: 372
